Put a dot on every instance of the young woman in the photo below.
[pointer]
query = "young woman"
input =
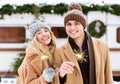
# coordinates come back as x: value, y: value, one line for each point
x: 36, y: 66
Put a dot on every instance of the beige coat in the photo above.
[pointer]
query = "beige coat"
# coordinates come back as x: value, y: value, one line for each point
x: 102, y: 64
x: 32, y: 67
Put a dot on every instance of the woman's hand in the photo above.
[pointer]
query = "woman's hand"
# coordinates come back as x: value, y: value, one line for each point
x: 48, y: 74
x: 66, y: 67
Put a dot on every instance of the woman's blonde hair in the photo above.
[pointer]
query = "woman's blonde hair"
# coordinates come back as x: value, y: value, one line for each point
x: 43, y: 49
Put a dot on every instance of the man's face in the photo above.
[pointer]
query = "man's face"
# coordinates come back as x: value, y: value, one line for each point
x: 74, y: 29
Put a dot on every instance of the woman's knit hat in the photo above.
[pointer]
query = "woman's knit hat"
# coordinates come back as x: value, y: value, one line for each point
x: 35, y: 26
x: 75, y: 13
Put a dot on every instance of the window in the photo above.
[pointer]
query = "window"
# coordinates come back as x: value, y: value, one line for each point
x: 12, y: 34
x: 59, y: 32
x: 118, y: 35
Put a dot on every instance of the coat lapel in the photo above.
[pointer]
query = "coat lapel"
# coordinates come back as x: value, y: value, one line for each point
x: 69, y: 54
x: 96, y: 46
x: 37, y: 64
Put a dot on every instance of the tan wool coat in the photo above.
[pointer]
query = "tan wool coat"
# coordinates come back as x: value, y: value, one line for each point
x: 32, y: 67
x: 102, y: 64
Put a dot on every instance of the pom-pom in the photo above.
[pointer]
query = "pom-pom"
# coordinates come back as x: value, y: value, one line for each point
x: 74, y: 6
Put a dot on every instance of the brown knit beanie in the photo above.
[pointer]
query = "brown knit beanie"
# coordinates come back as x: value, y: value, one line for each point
x: 75, y: 13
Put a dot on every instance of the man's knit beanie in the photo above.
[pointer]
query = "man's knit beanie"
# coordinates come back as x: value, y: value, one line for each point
x: 75, y: 13
x: 35, y: 25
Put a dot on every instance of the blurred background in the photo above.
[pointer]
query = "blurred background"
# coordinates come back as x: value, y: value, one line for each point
x: 103, y: 22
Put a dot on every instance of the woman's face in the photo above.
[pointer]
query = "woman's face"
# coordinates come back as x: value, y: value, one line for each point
x: 44, y: 36
x: 74, y: 29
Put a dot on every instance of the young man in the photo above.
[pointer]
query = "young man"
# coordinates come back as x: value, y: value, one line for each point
x: 83, y: 59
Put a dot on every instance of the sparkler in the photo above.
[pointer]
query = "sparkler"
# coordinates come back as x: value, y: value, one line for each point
x: 43, y: 57
x: 80, y: 56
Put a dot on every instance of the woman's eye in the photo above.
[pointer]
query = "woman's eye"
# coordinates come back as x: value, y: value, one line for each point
x: 39, y: 32
x: 46, y: 30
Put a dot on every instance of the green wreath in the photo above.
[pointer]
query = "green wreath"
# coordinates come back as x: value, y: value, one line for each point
x: 97, y: 28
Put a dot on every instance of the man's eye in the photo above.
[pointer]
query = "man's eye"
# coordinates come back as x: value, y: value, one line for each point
x: 77, y: 23
x: 68, y: 24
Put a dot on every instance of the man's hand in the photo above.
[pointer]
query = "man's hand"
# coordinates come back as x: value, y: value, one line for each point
x: 66, y: 67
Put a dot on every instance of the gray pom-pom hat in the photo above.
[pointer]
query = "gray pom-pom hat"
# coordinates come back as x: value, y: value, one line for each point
x: 35, y: 25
